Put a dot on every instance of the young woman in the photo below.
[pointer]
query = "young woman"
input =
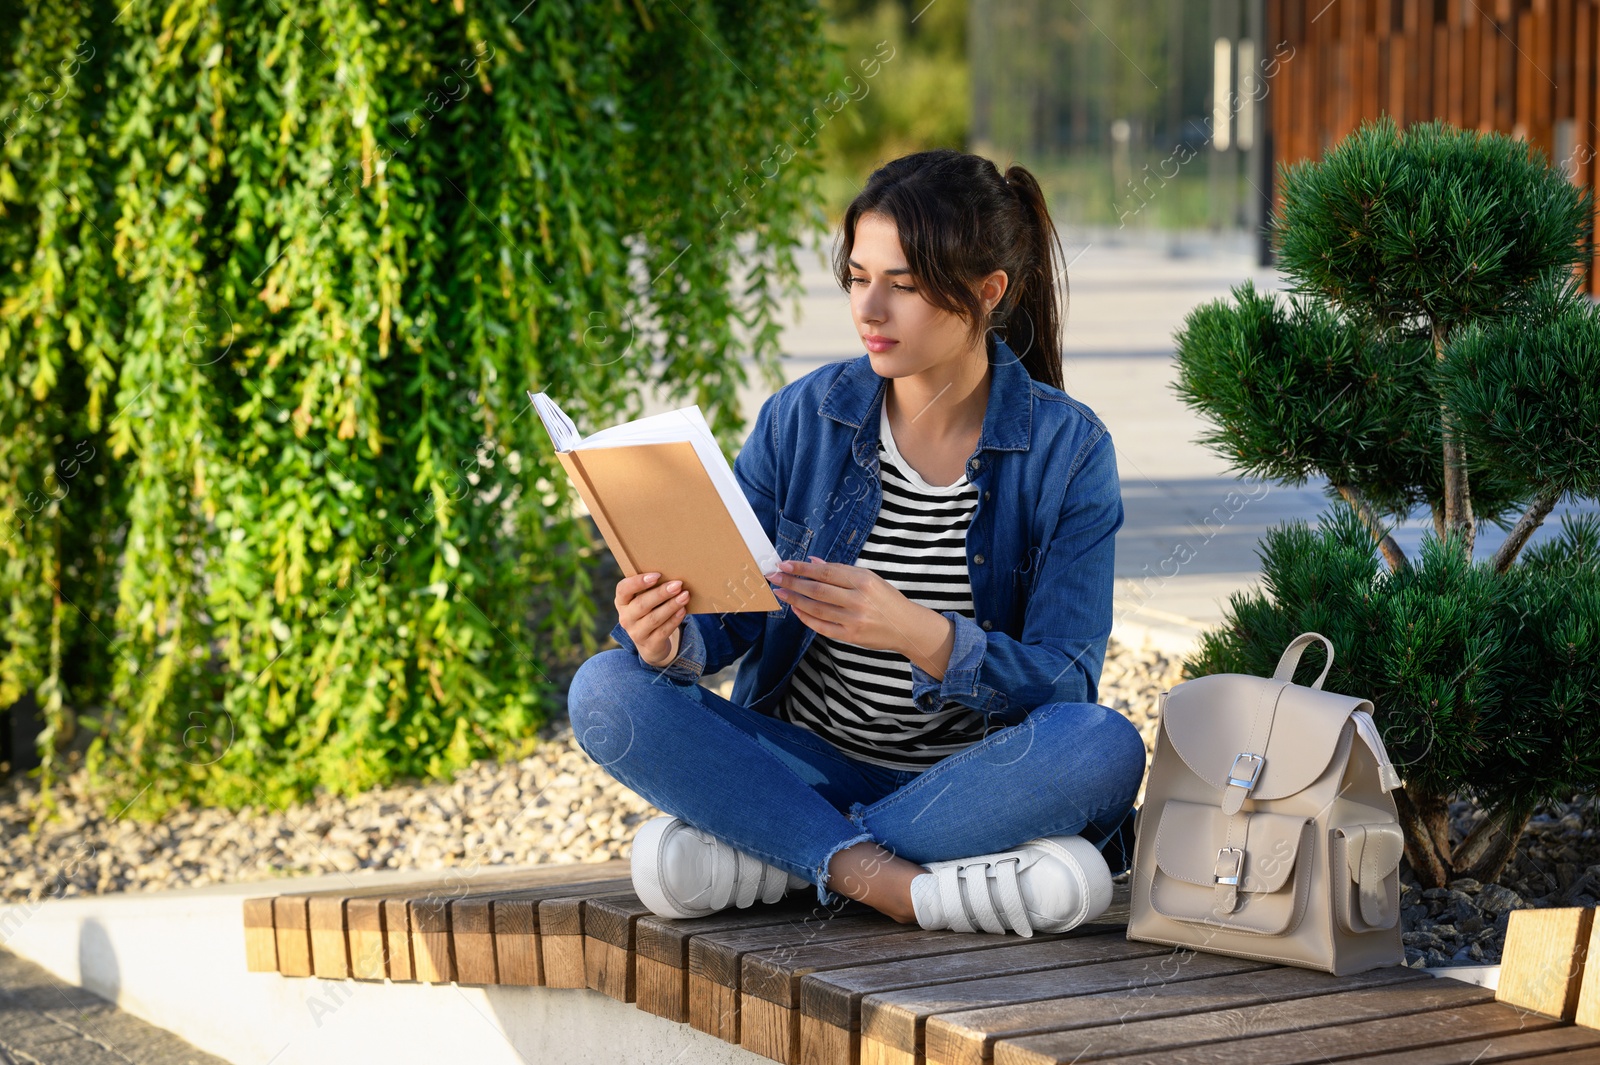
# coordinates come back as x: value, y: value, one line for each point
x: 916, y: 726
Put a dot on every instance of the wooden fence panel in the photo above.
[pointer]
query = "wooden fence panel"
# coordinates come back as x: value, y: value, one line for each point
x: 1526, y: 68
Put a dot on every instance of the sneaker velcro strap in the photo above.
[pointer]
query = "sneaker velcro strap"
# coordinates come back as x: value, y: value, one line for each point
x: 774, y: 883
x: 749, y: 887
x: 724, y: 878
x: 969, y: 902
x: 1011, y: 896
x: 950, y: 898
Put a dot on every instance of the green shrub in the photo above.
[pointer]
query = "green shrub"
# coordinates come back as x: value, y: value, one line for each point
x: 1435, y: 350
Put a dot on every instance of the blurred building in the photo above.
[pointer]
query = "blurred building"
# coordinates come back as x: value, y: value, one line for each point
x: 1172, y: 114
x: 1523, y: 67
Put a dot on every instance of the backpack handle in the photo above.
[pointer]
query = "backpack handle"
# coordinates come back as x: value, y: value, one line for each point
x: 1291, y: 657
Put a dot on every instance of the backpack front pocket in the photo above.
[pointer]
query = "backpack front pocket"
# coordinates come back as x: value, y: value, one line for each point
x: 1259, y: 884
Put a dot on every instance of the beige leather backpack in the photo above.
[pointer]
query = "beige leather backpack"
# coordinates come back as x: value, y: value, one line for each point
x: 1267, y: 829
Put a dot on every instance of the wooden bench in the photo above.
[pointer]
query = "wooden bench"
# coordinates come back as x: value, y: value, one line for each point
x: 798, y: 983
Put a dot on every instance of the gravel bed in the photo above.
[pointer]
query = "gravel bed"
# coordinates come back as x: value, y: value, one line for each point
x: 557, y: 806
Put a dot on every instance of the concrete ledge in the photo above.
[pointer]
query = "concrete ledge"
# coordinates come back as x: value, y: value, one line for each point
x: 176, y: 959
x: 1482, y: 975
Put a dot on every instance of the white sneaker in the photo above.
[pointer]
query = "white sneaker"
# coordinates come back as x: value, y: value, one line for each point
x: 1048, y: 884
x: 680, y: 871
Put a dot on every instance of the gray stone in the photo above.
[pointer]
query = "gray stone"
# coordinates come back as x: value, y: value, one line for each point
x: 1496, y: 899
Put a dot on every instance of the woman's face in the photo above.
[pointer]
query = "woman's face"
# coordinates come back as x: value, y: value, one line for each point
x: 885, y: 302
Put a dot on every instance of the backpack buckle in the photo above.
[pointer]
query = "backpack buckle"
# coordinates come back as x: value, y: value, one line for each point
x: 1238, y: 863
x: 1253, y: 769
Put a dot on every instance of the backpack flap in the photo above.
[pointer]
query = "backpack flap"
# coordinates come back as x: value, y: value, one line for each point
x: 1196, y: 870
x: 1255, y: 737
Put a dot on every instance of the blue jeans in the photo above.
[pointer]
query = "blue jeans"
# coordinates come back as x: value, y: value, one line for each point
x: 781, y: 793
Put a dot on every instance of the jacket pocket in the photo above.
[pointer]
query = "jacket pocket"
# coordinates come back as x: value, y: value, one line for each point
x: 1027, y: 574
x: 793, y: 540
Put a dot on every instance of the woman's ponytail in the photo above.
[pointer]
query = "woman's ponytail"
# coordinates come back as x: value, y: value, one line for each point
x: 1032, y: 317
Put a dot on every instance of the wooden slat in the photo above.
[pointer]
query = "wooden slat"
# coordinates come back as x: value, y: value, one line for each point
x: 1518, y: 1046
x: 1337, y: 1011
x: 471, y: 918
x: 1542, y: 51
x: 1489, y: 75
x: 1442, y: 61
x: 1392, y: 71
x: 608, y: 945
x: 1541, y: 965
x: 328, y: 920
x: 661, y: 946
x: 714, y: 965
x: 364, y: 931
x: 1574, y: 1057
x: 292, y: 935
x: 1470, y: 36
x: 472, y: 940
x: 830, y: 1001
x: 431, y: 960
x: 561, y: 938
x: 969, y: 1035
x: 1425, y: 63
x: 1588, y: 1011
x: 260, y: 941
x: 770, y: 981
x: 893, y: 1023
x: 432, y: 943
x: 769, y: 990
x: 368, y: 941
x: 1522, y: 117
x: 397, y: 939
x: 1386, y: 1034
x: 514, y: 917
x: 1455, y: 75
x: 419, y: 917
x: 1565, y: 15
x: 1589, y: 135
x: 1583, y: 137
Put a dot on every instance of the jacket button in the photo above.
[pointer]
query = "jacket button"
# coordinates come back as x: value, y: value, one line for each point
x: 986, y: 493
x: 987, y: 624
x: 974, y: 464
x: 978, y: 559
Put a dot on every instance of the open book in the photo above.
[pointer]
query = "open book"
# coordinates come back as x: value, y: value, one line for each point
x: 665, y: 499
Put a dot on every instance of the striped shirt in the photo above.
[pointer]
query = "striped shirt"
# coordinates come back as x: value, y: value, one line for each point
x: 859, y: 699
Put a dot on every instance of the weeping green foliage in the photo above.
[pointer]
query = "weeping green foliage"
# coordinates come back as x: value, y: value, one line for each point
x: 1481, y: 685
x: 276, y: 515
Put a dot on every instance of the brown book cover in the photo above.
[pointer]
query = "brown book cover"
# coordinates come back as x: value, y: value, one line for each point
x: 658, y: 510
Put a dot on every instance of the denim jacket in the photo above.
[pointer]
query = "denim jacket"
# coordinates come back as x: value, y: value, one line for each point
x: 1040, y: 547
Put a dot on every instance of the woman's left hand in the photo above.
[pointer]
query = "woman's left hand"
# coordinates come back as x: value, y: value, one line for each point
x: 851, y: 604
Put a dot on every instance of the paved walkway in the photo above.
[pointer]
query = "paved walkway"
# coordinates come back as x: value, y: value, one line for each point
x: 44, y: 1021
x: 1192, y: 527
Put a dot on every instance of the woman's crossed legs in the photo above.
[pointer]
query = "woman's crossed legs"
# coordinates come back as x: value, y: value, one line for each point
x: 780, y: 793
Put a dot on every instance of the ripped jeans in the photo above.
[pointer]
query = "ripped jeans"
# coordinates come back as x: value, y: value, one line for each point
x: 781, y: 793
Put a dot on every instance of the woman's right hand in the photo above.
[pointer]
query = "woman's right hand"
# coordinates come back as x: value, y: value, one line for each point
x: 651, y: 616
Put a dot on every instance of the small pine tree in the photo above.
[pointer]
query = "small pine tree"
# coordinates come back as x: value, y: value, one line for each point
x: 1434, y: 349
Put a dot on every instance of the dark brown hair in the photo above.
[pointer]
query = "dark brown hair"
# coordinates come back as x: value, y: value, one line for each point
x: 959, y: 220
